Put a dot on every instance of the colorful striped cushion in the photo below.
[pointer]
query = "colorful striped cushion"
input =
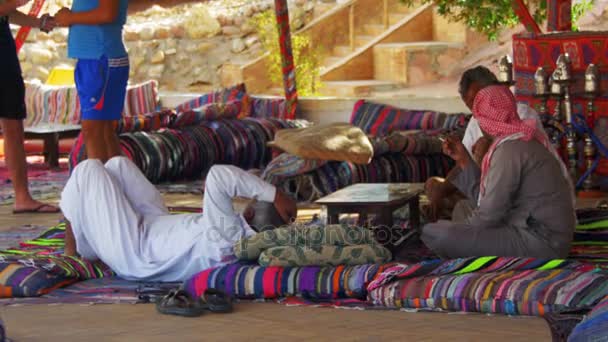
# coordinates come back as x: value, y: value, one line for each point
x: 287, y: 165
x: 19, y: 280
x: 252, y: 281
x: 141, y: 98
x: 148, y: 122
x: 48, y: 104
x: 37, y: 266
x: 595, y: 325
x: 236, y: 109
x: 236, y: 92
x: 268, y: 107
x: 380, y: 119
x: 515, y: 286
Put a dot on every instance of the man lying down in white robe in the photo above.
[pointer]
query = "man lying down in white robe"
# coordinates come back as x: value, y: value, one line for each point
x: 116, y: 215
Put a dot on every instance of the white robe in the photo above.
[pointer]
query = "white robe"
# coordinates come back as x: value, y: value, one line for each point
x: 119, y: 217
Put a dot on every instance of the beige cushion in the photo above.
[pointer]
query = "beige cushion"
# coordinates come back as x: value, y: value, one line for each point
x: 338, y: 141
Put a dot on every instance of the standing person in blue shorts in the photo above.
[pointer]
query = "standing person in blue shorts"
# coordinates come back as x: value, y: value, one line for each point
x: 12, y: 107
x: 102, y: 69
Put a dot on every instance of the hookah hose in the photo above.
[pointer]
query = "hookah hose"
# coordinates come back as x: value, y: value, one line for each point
x: 583, y: 127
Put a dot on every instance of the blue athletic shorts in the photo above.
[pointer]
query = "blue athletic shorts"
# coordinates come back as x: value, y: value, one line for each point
x: 102, y: 86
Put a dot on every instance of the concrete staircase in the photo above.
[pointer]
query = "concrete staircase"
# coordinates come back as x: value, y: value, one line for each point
x: 409, y: 47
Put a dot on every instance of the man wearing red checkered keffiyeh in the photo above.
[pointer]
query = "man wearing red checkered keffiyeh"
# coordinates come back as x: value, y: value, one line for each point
x: 495, y: 110
x: 523, y: 191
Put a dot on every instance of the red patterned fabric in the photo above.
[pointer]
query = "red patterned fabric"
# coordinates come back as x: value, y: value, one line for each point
x: 584, y: 48
x: 533, y: 51
x: 559, y: 15
x: 495, y: 108
x: 287, y: 63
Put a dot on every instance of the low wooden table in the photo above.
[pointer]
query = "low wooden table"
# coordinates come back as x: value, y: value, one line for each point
x: 381, y: 199
x: 51, y: 134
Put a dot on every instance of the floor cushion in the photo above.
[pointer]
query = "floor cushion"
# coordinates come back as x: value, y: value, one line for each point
x: 268, y: 107
x: 324, y: 255
x: 20, y: 280
x: 60, y: 104
x: 288, y: 165
x: 141, y: 98
x: 337, y: 141
x: 213, y: 111
x: 381, y: 119
x: 595, y: 325
x: 257, y: 282
x: 236, y: 92
x: 515, y: 286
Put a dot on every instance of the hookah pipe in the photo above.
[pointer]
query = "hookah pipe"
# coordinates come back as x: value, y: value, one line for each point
x: 560, y: 81
x: 581, y: 125
x: 546, y: 90
x: 577, y: 123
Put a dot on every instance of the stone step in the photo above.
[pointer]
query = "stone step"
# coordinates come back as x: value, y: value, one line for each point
x: 357, y: 88
x: 362, y: 40
x: 373, y: 29
x: 331, y: 60
x: 415, y: 63
x: 394, y: 18
x: 448, y: 31
x: 341, y: 50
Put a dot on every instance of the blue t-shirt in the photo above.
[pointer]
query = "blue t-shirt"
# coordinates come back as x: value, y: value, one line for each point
x: 94, y: 41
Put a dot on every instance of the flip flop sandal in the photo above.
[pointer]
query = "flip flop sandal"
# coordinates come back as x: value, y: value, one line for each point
x: 38, y: 210
x: 180, y: 303
x: 217, y: 301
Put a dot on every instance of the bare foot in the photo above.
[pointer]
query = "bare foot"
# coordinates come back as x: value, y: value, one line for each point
x: 33, y: 206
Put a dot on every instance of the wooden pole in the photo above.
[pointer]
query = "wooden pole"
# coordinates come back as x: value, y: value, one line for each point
x: 288, y: 66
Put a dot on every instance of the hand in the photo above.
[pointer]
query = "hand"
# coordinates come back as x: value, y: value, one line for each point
x: 8, y: 6
x: 453, y: 148
x: 47, y: 23
x: 434, y: 190
x: 62, y: 18
x: 285, y: 206
x: 480, y: 148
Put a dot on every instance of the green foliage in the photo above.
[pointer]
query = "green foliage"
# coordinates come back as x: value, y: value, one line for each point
x: 306, y: 56
x: 491, y: 16
x: 578, y: 11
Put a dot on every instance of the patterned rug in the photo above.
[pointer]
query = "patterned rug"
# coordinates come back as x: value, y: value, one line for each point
x: 111, y: 290
x: 44, y: 183
x: 14, y: 235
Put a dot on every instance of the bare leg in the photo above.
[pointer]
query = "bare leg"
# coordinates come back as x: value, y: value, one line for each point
x: 15, y: 160
x: 100, y: 139
x: 70, y: 241
x: 111, y: 139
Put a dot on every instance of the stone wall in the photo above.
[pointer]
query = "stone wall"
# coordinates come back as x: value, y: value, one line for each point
x: 184, y: 47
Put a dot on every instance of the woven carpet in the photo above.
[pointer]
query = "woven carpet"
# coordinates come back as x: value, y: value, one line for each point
x: 44, y: 183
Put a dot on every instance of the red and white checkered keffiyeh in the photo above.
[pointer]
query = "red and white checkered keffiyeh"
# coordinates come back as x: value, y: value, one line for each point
x: 495, y: 108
